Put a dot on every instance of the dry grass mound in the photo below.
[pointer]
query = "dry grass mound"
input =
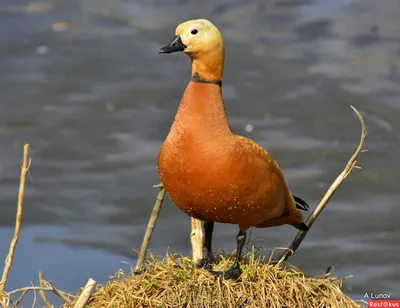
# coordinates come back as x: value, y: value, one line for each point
x: 176, y: 282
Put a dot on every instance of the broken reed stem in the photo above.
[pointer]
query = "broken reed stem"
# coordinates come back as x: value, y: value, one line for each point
x: 150, y: 227
x: 196, y: 239
x: 41, y: 292
x: 61, y: 294
x: 85, y: 295
x: 351, y: 164
x: 20, y: 205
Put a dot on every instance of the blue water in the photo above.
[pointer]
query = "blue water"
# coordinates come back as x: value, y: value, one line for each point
x: 96, y: 101
x: 66, y: 266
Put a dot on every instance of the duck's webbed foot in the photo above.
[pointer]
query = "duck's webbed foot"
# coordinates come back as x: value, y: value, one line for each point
x: 232, y: 273
x: 207, y: 262
x: 235, y: 271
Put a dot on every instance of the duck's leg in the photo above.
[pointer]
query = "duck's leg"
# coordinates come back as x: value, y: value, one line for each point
x: 208, y: 258
x: 235, y: 271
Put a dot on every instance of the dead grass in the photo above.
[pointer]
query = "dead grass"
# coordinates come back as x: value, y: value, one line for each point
x: 175, y: 282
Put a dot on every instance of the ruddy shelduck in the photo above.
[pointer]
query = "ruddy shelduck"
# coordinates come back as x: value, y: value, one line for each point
x: 210, y: 173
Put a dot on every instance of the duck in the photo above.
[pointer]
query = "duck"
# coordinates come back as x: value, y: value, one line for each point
x: 209, y: 172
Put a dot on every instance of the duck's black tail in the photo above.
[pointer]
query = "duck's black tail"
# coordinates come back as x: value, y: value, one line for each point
x: 301, y: 204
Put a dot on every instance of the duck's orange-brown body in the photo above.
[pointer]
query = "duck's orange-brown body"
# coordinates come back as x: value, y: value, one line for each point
x: 214, y: 175
x: 210, y: 173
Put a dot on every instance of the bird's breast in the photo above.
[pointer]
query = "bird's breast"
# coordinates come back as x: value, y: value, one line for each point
x: 209, y: 180
x: 195, y: 175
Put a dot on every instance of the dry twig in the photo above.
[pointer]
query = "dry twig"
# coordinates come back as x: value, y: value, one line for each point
x: 19, y: 300
x: 34, y: 297
x: 44, y: 286
x: 351, y: 164
x: 150, y: 227
x: 21, y: 193
x: 196, y: 239
x: 85, y: 295
x: 61, y: 294
x: 48, y: 287
x: 41, y: 292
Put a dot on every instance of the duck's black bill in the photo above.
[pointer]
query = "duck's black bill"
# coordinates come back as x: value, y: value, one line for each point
x: 175, y: 46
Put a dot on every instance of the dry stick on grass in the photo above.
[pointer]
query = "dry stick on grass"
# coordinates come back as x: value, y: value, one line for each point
x: 85, y: 295
x: 24, y: 170
x: 196, y: 239
x: 351, y: 164
x: 150, y: 227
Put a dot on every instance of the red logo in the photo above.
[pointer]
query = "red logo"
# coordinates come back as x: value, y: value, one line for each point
x: 384, y: 303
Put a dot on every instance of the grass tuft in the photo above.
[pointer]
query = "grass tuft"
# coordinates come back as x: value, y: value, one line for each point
x: 174, y: 281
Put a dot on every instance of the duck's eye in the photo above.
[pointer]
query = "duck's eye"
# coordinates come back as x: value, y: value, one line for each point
x: 194, y: 31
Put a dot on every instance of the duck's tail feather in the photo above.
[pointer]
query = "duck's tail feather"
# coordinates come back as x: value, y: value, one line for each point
x: 301, y: 204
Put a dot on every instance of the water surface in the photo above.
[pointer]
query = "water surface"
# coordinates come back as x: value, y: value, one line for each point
x: 96, y: 101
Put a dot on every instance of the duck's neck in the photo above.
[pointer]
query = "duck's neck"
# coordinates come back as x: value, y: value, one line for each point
x: 209, y: 67
x: 202, y: 111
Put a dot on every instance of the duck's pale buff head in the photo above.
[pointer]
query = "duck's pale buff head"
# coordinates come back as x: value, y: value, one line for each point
x: 202, y: 41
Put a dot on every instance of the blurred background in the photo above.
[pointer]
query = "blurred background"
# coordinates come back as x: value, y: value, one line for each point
x: 83, y: 84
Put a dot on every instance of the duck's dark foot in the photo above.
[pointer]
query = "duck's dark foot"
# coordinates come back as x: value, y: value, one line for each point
x: 232, y: 273
x: 206, y: 262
